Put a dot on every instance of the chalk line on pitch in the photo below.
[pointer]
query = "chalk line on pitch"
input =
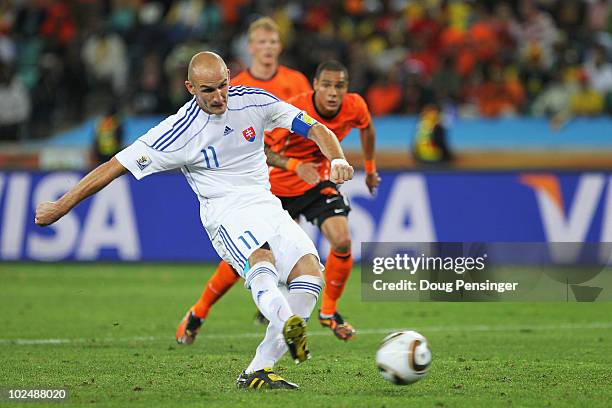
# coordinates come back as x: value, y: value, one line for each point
x: 422, y: 329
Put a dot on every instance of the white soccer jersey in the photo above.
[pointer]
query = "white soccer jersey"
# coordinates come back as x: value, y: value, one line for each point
x: 223, y: 159
x: 216, y: 153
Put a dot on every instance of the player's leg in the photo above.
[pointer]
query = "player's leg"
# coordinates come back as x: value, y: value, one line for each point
x: 222, y: 280
x: 247, y: 235
x: 298, y: 263
x: 294, y: 206
x: 259, y: 317
x: 285, y: 329
x: 305, y: 283
x: 262, y: 280
x: 304, y: 287
x: 326, y: 208
x: 337, y: 270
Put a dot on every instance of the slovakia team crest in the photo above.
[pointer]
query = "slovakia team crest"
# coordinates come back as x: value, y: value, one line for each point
x: 249, y: 134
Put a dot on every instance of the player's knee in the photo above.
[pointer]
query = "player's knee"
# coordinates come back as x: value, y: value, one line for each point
x: 342, y: 244
x: 261, y: 255
x: 307, y: 284
x: 306, y: 265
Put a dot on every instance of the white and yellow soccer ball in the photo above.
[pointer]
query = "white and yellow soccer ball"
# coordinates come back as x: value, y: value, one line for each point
x: 403, y: 357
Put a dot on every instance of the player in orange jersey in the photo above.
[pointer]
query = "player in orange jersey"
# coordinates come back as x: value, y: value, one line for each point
x: 322, y: 204
x: 317, y: 198
x: 265, y: 72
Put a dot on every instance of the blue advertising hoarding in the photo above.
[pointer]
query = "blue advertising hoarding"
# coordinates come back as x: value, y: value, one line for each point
x: 157, y: 219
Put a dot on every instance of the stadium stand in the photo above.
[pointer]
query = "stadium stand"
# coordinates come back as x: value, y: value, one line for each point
x: 72, y: 59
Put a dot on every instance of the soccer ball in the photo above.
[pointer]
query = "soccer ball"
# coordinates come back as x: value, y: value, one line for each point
x: 403, y: 357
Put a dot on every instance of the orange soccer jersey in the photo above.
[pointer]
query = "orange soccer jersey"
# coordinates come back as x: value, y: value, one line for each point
x: 285, y: 83
x: 353, y: 113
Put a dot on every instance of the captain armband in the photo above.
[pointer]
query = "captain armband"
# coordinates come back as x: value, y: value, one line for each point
x: 302, y: 124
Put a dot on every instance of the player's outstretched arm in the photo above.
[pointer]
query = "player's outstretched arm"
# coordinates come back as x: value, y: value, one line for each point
x: 368, y: 143
x: 328, y: 143
x: 50, y: 211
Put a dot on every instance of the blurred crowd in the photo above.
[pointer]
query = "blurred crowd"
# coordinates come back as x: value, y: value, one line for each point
x: 62, y: 61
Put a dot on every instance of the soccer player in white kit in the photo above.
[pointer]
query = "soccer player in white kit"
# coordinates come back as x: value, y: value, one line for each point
x: 216, y: 139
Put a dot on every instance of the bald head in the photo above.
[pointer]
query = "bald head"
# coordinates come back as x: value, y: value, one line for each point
x: 206, y: 64
x: 208, y: 80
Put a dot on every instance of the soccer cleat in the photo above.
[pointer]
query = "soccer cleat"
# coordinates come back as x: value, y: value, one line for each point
x: 294, y: 333
x: 264, y: 379
x: 188, y: 328
x: 342, y: 330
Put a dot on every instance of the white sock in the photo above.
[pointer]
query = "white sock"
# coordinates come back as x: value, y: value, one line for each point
x: 270, y: 350
x: 303, y: 294
x: 302, y: 298
x: 263, y: 282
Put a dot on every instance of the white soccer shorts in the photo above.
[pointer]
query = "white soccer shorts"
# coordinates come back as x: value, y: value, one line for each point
x: 239, y: 223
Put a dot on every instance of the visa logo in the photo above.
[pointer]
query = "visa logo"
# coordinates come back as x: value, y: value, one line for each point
x: 570, y: 221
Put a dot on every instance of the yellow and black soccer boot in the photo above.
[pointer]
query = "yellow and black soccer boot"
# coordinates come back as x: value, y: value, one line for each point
x: 294, y: 333
x: 341, y: 329
x: 264, y: 379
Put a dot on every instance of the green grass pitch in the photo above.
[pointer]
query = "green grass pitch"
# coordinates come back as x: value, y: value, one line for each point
x: 106, y: 333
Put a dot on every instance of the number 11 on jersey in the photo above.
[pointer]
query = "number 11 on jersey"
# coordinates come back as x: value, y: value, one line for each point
x: 213, y: 154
